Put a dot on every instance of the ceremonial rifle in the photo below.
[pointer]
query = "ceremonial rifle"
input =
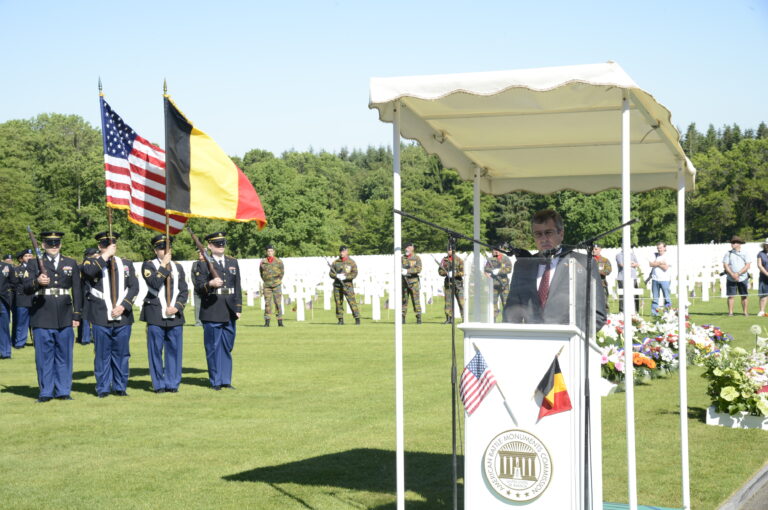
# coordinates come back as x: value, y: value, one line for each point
x: 38, y: 253
x: 204, y: 254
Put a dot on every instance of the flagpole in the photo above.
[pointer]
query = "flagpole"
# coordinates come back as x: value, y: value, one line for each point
x: 168, y: 290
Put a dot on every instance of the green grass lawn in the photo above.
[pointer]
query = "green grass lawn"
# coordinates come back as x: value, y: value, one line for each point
x: 311, y: 425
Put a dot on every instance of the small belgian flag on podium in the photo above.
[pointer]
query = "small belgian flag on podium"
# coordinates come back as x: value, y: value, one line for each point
x: 553, y: 393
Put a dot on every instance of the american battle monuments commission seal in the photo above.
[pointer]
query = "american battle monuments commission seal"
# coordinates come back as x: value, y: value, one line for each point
x: 517, y: 466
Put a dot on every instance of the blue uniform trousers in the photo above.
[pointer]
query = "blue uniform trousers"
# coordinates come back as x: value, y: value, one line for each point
x: 84, y: 332
x: 20, y: 326
x: 53, y: 358
x: 112, y: 351
x: 219, y: 340
x: 165, y: 375
x: 5, y: 331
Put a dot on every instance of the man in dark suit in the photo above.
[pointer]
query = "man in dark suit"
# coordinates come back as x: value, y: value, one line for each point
x: 55, y: 311
x: 163, y: 311
x: 539, y: 293
x: 222, y: 303
x: 113, y: 287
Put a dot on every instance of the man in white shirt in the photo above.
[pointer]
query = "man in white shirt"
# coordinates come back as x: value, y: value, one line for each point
x: 660, y: 278
x: 736, y: 268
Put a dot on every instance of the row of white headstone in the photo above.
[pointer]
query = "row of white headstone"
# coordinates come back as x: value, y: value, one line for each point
x: 307, y: 278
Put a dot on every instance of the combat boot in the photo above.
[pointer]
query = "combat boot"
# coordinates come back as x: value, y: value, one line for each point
x: 280, y: 323
x: 266, y: 323
x: 341, y: 322
x: 418, y: 319
x: 357, y: 321
x: 447, y: 320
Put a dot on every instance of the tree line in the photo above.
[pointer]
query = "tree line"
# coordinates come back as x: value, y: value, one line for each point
x: 52, y: 177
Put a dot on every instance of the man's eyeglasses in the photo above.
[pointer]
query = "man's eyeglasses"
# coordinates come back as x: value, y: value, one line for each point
x: 544, y: 233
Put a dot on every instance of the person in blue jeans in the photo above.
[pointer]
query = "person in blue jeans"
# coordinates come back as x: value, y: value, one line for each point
x: 660, y: 278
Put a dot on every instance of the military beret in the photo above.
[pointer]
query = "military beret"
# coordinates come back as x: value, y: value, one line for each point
x: 270, y: 247
x: 23, y: 252
x: 90, y: 252
x: 8, y: 256
x: 342, y: 248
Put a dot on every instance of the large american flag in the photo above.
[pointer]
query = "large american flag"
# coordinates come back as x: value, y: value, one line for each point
x: 476, y: 381
x: 135, y: 174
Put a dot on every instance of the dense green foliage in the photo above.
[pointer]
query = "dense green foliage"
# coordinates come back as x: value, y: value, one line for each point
x: 51, y: 176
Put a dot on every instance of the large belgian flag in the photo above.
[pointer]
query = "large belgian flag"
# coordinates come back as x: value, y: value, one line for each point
x: 553, y: 393
x: 201, y: 179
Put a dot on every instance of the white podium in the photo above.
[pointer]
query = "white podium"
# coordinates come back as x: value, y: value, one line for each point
x: 514, y: 459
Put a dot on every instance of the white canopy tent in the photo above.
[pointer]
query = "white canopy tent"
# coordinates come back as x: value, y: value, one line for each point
x: 542, y: 130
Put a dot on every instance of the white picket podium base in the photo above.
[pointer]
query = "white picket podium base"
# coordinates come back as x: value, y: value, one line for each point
x: 513, y: 459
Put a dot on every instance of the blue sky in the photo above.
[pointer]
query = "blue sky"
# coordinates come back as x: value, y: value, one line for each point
x: 295, y: 74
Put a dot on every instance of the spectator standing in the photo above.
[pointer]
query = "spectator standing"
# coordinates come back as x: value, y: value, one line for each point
x: 736, y: 268
x: 660, y: 278
x: 762, y: 265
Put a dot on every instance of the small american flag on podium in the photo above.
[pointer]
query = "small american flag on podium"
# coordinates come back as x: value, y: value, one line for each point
x: 476, y: 381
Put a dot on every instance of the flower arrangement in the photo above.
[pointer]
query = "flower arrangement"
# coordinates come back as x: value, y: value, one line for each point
x: 655, y: 345
x: 738, y: 378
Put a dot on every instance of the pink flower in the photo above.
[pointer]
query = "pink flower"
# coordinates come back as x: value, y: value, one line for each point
x: 603, y: 359
x: 619, y: 366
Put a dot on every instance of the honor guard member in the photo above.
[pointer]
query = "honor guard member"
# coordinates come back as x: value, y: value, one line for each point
x: 222, y: 303
x: 55, y: 311
x: 272, y: 271
x: 411, y: 267
x: 498, y: 268
x: 6, y: 302
x: 343, y: 271
x: 23, y: 301
x: 452, y: 268
x: 84, y: 333
x: 113, y: 287
x: 163, y: 311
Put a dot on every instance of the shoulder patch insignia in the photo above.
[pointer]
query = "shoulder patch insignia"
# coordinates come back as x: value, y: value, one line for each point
x: 147, y: 273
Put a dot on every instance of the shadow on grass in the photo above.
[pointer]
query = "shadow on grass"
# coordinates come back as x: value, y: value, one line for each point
x: 22, y: 391
x: 364, y: 469
x: 694, y: 413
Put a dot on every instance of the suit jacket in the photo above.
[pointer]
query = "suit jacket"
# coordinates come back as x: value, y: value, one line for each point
x: 218, y: 305
x: 54, y: 311
x: 92, y: 270
x: 523, y: 304
x: 152, y: 311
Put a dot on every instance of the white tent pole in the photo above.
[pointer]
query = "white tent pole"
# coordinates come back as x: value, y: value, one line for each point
x: 682, y: 341
x: 628, y: 303
x: 399, y: 428
x: 476, y: 276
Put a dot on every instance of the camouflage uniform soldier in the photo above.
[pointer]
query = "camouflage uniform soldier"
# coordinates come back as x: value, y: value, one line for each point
x: 498, y: 267
x: 272, y: 271
x: 343, y: 271
x: 411, y: 264
x: 603, y: 267
x: 450, y: 262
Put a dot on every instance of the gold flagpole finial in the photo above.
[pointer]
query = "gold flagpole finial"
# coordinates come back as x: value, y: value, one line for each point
x: 165, y: 87
x: 100, y: 89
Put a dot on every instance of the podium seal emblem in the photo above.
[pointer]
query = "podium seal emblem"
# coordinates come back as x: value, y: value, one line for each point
x: 517, y: 466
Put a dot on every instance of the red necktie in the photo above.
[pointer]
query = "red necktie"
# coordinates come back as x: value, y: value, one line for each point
x: 544, y: 285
